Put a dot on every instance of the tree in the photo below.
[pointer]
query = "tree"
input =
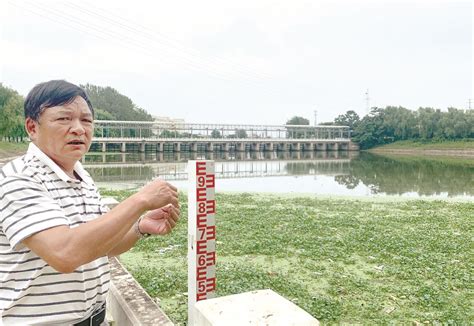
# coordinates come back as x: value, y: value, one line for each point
x: 351, y: 119
x: 103, y: 115
x: 216, y: 134
x: 398, y: 123
x: 240, y: 133
x: 298, y: 121
x: 428, y: 123
x: 169, y: 134
x: 11, y: 114
x: 470, y: 122
x: 458, y: 120
x: 370, y: 132
x: 119, y: 106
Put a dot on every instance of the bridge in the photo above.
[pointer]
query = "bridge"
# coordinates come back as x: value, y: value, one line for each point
x: 193, y: 137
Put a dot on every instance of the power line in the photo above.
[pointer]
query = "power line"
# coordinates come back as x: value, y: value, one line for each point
x: 99, y: 32
x: 54, y: 21
x: 124, y: 40
x: 159, y: 37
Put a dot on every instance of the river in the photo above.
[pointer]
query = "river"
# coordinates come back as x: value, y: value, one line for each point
x: 320, y: 173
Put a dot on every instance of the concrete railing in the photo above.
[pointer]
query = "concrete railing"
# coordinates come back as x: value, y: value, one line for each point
x: 128, y: 304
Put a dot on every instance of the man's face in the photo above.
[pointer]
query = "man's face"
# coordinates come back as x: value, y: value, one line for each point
x: 64, y: 132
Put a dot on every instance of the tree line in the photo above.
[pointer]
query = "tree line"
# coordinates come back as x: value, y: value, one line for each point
x: 381, y: 126
x: 386, y: 125
x: 11, y: 115
x: 393, y: 123
x: 108, y: 104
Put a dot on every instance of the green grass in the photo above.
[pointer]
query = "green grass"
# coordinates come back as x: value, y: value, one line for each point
x: 467, y: 144
x: 8, y: 149
x: 426, y: 159
x: 345, y: 261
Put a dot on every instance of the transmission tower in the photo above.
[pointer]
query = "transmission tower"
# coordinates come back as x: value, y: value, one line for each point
x: 367, y: 102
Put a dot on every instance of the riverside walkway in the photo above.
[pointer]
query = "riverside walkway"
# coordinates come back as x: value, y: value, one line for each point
x: 152, y: 136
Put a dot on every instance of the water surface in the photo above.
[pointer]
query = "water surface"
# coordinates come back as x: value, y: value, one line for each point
x: 328, y: 173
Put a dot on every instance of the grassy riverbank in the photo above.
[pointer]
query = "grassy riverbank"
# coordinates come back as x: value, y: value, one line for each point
x: 12, y: 149
x: 447, y: 148
x: 420, y: 158
x: 342, y: 260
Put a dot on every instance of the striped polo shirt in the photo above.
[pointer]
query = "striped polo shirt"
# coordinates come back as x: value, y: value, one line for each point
x: 36, y: 194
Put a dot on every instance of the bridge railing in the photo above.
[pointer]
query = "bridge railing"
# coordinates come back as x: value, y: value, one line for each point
x: 234, y: 132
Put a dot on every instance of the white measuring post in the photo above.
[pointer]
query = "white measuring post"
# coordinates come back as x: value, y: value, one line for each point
x: 201, y: 234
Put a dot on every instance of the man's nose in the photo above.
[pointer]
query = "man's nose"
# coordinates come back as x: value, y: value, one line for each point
x: 77, y: 127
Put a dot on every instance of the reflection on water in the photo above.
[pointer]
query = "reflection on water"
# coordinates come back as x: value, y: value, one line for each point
x: 339, y: 173
x: 152, y: 157
x: 140, y: 168
x: 399, y: 175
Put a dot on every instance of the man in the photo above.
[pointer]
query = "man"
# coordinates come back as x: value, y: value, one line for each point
x: 55, y: 234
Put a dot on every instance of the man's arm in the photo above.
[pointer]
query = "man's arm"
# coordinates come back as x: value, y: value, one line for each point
x: 127, y: 242
x: 66, y: 248
x: 157, y: 222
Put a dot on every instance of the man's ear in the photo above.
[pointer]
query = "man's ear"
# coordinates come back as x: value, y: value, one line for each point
x: 31, y: 127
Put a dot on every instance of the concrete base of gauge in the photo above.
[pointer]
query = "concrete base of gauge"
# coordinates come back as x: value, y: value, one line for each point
x: 263, y: 307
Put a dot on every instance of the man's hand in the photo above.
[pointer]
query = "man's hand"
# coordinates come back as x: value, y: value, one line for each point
x: 158, y: 193
x: 160, y: 221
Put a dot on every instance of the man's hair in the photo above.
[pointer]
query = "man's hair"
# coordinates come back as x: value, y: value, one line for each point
x: 52, y: 93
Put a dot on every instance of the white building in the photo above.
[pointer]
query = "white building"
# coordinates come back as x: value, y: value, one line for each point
x: 178, y: 123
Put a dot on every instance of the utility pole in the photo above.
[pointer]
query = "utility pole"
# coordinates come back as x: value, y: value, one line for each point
x: 315, y: 118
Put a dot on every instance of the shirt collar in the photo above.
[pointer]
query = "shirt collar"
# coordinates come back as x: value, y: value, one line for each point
x: 78, y: 168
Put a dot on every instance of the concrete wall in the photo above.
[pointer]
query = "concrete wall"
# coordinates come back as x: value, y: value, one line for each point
x: 128, y: 304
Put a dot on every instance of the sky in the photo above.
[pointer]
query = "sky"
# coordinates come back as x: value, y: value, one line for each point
x: 247, y: 61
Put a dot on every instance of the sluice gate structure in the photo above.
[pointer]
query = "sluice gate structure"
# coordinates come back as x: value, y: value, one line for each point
x: 145, y: 136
